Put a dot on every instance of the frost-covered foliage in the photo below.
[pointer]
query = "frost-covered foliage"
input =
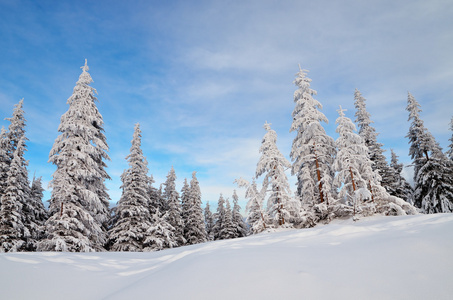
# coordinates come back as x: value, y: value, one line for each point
x: 209, y: 222
x: 160, y: 235
x: 171, y: 197
x: 281, y: 207
x: 133, y: 219
x: 240, y: 228
x: 369, y: 135
x: 399, y: 186
x: 194, y: 228
x: 313, y: 150
x: 14, y: 234
x: 257, y: 217
x: 78, y: 188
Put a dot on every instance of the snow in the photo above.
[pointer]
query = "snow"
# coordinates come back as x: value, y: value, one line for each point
x: 404, y: 257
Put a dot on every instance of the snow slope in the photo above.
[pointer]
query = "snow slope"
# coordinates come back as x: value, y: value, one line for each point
x: 406, y: 257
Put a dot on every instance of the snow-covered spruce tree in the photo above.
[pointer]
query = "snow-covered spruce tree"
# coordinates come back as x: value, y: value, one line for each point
x: 369, y: 135
x: 209, y: 222
x: 194, y: 228
x: 450, y: 150
x: 313, y: 150
x: 353, y: 170
x: 130, y: 231
x: 434, y: 183
x: 14, y: 234
x: 272, y: 164
x: 79, y: 201
x: 4, y: 160
x: 161, y: 234
x: 185, y: 203
x: 156, y: 199
x: 171, y: 197
x: 228, y: 231
x: 240, y: 228
x: 400, y: 187
x: 433, y: 179
x: 34, y: 213
x: 420, y: 139
x: 257, y: 217
x: 219, y: 218
x: 359, y: 185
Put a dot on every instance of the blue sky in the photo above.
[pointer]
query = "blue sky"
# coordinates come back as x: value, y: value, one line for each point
x: 202, y: 77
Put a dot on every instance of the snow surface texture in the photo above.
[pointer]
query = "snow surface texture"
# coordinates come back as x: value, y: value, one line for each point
x: 404, y: 257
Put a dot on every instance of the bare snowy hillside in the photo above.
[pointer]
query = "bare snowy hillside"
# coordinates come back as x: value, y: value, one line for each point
x: 376, y: 258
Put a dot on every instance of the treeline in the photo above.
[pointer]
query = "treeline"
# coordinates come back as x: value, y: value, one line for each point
x: 342, y: 178
x: 79, y: 218
x: 346, y: 177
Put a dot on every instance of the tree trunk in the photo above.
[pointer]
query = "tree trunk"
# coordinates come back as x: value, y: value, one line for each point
x: 321, y: 195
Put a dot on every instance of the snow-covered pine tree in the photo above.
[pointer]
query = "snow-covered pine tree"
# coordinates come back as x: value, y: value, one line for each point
x: 133, y: 220
x: 35, y: 215
x: 450, y: 150
x: 354, y: 175
x: 281, y: 207
x: 219, y: 218
x: 79, y: 201
x: 194, y: 228
x: 185, y: 203
x: 433, y: 179
x: 156, y: 200
x: 400, y: 187
x: 171, y: 197
x: 209, y: 222
x: 313, y: 150
x: 4, y: 160
x: 239, y: 225
x: 420, y: 139
x: 228, y: 231
x: 14, y: 234
x: 257, y: 217
x: 161, y: 234
x: 369, y: 135
x: 359, y: 185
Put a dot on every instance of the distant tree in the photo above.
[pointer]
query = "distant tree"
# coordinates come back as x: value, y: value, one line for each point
x: 400, y: 187
x: 79, y: 202
x: 238, y: 221
x: 433, y: 170
x: 219, y: 218
x: 272, y: 164
x: 14, y: 234
x: 194, y: 228
x: 209, y: 222
x: 313, y: 150
x: 171, y: 197
x: 369, y: 135
x: 156, y: 198
x: 257, y: 217
x: 228, y: 231
x: 185, y: 202
x: 130, y: 231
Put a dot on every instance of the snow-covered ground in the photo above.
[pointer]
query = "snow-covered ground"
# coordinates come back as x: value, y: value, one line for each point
x: 406, y: 257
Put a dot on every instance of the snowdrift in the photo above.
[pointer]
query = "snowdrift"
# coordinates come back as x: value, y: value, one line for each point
x: 404, y: 257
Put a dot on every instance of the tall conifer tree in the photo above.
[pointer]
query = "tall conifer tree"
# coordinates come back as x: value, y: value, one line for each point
x: 194, y: 228
x: 79, y: 201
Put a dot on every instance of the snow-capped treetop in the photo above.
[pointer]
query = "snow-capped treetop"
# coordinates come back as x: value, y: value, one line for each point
x: 16, y: 128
